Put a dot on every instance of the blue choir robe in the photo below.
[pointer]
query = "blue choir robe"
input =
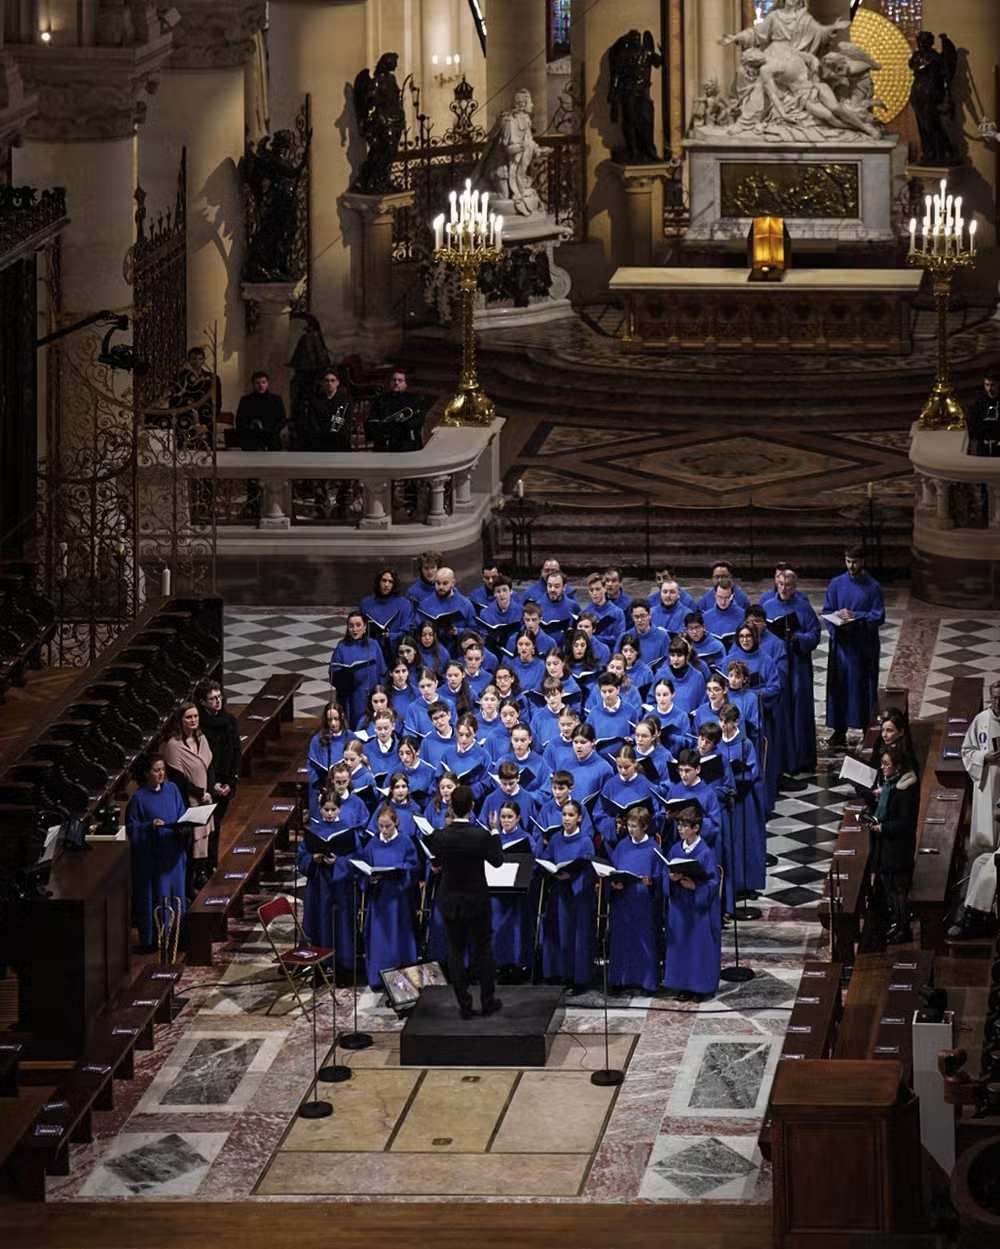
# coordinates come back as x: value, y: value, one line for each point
x: 354, y: 812
x: 725, y: 790
x: 533, y: 772
x: 750, y: 711
x: 158, y: 855
x: 852, y: 672
x: 707, y: 600
x: 777, y: 652
x: 537, y: 593
x: 653, y: 646
x: 635, y: 915
x: 558, y: 615
x: 486, y: 729
x: 629, y: 696
x: 328, y: 899
x: 801, y: 753
x: 641, y: 677
x: 624, y: 604
x: 478, y: 681
x: 589, y: 778
x: 421, y: 780
x: 435, y: 657
x: 559, y: 755
x: 703, y: 715
x: 689, y: 685
x: 420, y: 590
x: 705, y: 796
x: 609, y: 623
x: 355, y: 668
x: 669, y: 618
x: 601, y: 652
x: 613, y: 728
x: 694, y: 926
x: 382, y: 762
x: 544, y: 727
x: 321, y: 757
x: 389, y: 617
x: 405, y: 811
x: 675, y: 726
x: 472, y: 767
x: 418, y: 722
x: 585, y: 673
x: 435, y: 814
x: 720, y: 624
x: 617, y: 799
x: 497, y: 741
x: 547, y: 821
x: 529, y: 675
x: 527, y: 803
x: 708, y: 653
x: 544, y: 642
x: 434, y: 747
x: 482, y: 599
x: 653, y: 597
x: 768, y: 692
x: 568, y: 942
x: 511, y: 913
x: 655, y: 766
x: 749, y: 852
x: 363, y: 786
x: 400, y: 700
x: 390, y: 936
x: 450, y: 615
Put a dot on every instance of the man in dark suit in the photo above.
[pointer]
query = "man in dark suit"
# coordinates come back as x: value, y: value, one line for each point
x: 462, y: 848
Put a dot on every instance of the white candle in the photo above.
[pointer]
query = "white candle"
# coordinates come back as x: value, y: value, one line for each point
x: 948, y: 207
x: 453, y: 201
x: 475, y: 203
x: 438, y: 232
x: 165, y: 583
x: 519, y: 487
x: 973, y: 227
x: 483, y: 205
x: 913, y: 235
x: 498, y: 232
x: 958, y: 207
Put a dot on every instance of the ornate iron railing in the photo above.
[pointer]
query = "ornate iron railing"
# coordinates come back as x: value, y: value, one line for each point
x: 28, y: 217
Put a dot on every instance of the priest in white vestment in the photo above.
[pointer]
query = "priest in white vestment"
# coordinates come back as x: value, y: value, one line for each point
x: 981, y: 759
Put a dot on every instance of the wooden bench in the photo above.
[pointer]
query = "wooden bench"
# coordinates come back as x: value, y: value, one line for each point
x: 221, y: 898
x: 936, y: 868
x: 261, y: 720
x: 964, y: 702
x: 883, y: 994
x: 848, y: 887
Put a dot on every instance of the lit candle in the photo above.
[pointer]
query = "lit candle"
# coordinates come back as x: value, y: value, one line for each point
x: 453, y: 200
x: 973, y: 227
x: 438, y: 232
x: 519, y: 487
x: 165, y: 583
x: 958, y: 207
x: 913, y: 235
x: 475, y: 203
x: 948, y: 206
x: 498, y: 231
x: 457, y: 57
x: 485, y: 211
x: 871, y: 489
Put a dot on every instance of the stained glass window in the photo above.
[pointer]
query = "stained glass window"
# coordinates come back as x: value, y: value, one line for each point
x: 557, y: 40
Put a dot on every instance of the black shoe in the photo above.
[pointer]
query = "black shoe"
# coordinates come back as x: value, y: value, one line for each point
x: 465, y: 1007
x: 492, y: 1005
x: 791, y: 785
x: 839, y: 739
x: 685, y: 996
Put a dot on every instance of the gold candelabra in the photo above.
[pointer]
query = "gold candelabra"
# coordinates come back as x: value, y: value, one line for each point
x: 469, y: 240
x: 948, y: 243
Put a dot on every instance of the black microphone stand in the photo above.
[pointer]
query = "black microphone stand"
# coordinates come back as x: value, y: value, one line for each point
x: 356, y: 1040
x: 737, y: 973
x: 334, y: 1072
x: 607, y: 1076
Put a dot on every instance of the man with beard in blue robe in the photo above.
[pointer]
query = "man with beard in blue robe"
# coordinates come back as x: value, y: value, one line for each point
x: 854, y: 612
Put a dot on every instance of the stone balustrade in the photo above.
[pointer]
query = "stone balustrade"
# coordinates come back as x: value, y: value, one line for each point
x: 956, y: 521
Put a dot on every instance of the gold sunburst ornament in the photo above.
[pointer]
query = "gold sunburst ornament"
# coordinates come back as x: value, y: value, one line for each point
x: 885, y: 42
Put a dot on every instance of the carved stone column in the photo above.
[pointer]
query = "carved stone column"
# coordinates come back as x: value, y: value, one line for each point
x: 640, y: 183
x: 376, y: 513
x: 436, y: 514
x: 461, y: 486
x: 276, y: 513
x: 373, y: 293
x: 91, y: 99
x: 942, y: 505
x: 202, y: 106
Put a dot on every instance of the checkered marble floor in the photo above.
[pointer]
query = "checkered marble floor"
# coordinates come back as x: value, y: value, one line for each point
x: 263, y: 642
x: 966, y: 646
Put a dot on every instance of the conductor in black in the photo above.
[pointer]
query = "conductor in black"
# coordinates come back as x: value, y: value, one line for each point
x: 462, y: 848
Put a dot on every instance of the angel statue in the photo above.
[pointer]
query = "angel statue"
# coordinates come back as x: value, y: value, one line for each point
x: 506, y: 162
x: 932, y: 99
x: 631, y: 61
x: 272, y: 181
x: 378, y: 105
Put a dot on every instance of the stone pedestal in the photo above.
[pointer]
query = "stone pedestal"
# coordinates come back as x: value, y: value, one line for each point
x: 639, y: 182
x: 540, y: 235
x: 267, y: 306
x: 854, y: 184
x: 373, y: 293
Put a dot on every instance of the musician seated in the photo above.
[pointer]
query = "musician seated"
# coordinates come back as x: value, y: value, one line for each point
x: 395, y: 420
x: 329, y: 418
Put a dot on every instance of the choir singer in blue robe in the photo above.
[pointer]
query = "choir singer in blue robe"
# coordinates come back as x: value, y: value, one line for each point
x: 568, y: 944
x: 694, y: 922
x: 635, y: 908
x: 800, y: 641
x: 390, y: 936
x: 159, y: 849
x: 328, y: 898
x: 855, y: 599
x: 357, y: 664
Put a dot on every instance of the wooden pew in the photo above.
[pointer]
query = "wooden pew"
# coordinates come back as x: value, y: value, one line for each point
x: 965, y: 702
x: 261, y: 720
x: 848, y: 886
x: 939, y: 854
x: 883, y: 994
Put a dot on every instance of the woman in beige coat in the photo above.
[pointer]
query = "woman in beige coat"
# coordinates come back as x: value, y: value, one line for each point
x: 189, y: 761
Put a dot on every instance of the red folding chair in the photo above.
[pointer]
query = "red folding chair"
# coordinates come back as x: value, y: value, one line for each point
x: 302, y: 956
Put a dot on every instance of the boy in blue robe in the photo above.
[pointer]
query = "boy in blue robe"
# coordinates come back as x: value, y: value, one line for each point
x: 693, y: 790
x: 441, y: 739
x: 721, y: 569
x: 724, y: 617
x: 428, y: 564
x: 158, y: 850
x: 328, y: 898
x: 545, y: 719
x: 609, y: 620
x: 625, y: 789
x: 653, y: 641
x: 390, y: 939
x: 724, y: 786
x: 707, y: 650
x: 531, y: 620
x: 533, y: 772
x: 668, y: 611
x: 616, y: 595
x: 612, y: 721
x: 537, y: 590
x: 417, y: 722
x: 568, y: 945
x: 800, y: 640
x: 547, y: 819
x: 508, y: 789
x: 855, y: 599
x: 749, y: 865
x: 694, y: 925
x: 635, y: 909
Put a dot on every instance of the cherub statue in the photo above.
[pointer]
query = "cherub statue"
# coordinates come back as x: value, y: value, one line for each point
x: 711, y: 108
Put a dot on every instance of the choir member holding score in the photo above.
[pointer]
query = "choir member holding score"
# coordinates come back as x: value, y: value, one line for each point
x: 158, y: 845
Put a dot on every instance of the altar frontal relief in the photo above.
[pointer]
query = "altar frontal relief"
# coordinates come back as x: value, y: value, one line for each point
x: 757, y: 189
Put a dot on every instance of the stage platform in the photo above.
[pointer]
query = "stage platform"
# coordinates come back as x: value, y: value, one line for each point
x: 519, y: 1035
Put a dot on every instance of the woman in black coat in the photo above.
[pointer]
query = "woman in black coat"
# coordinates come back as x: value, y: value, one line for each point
x: 223, y: 734
x: 894, y: 838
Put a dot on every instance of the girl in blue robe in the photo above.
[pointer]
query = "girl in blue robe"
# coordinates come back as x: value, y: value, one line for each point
x: 526, y: 666
x: 787, y: 600
x: 749, y: 866
x: 689, y: 684
x: 401, y: 690
x: 635, y: 909
x: 767, y: 686
x: 588, y: 769
x: 716, y: 688
x: 378, y: 703
x: 533, y: 771
x: 674, y: 721
x: 408, y: 654
x: 508, y: 789
x: 431, y: 653
x: 399, y: 801
x: 557, y: 667
x: 584, y: 666
x: 497, y: 743
x: 382, y: 748
x: 852, y: 672
x: 625, y: 789
x: 159, y: 849
x: 353, y: 809
x: 328, y: 900
x: 509, y: 687
x: 390, y: 936
x: 513, y: 936
x: 694, y: 924
x: 419, y: 774
x: 724, y: 787
x: 388, y: 609
x: 568, y: 943
x: 418, y: 718
x: 362, y: 781
x: 469, y: 761
x: 455, y: 688
x: 559, y: 754
x: 653, y: 759
x: 356, y: 665
x: 639, y: 673
x: 741, y: 695
x: 627, y: 692
x: 488, y: 717
x: 326, y: 747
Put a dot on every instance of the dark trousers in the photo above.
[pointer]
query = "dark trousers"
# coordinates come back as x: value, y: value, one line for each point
x: 471, y: 929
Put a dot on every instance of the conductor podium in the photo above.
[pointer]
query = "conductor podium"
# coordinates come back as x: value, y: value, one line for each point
x: 435, y: 1035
